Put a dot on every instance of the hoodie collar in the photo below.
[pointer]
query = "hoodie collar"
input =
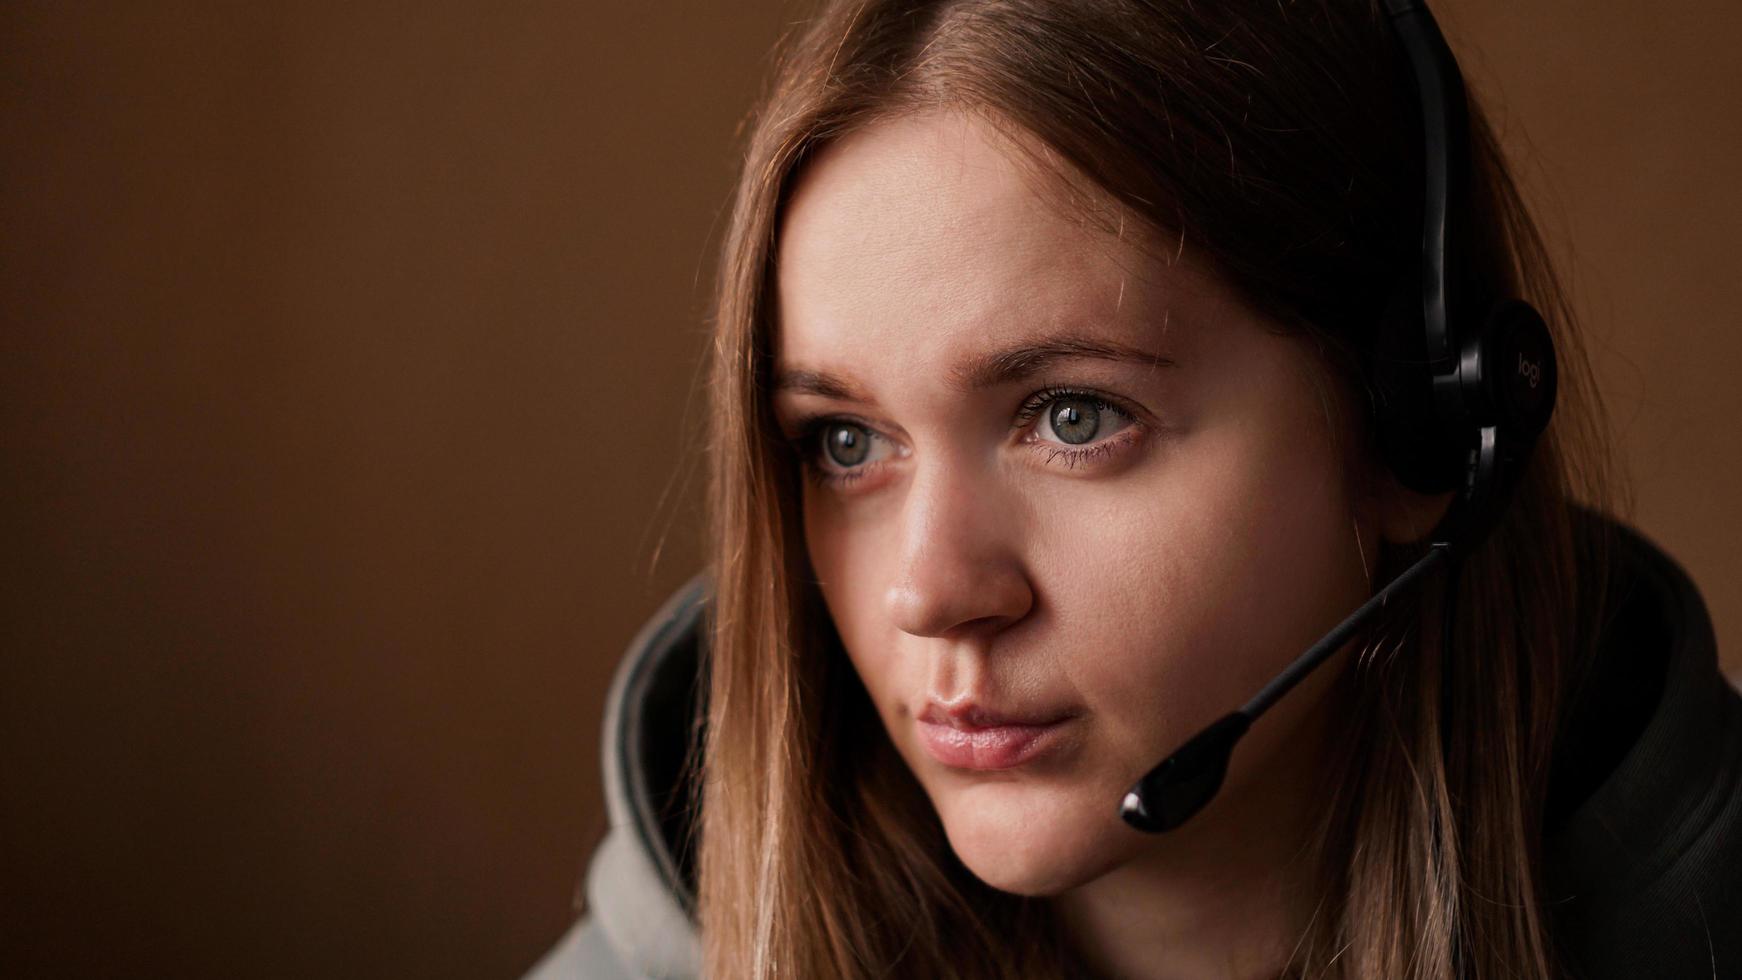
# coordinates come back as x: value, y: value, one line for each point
x: 639, y: 884
x: 1640, y: 747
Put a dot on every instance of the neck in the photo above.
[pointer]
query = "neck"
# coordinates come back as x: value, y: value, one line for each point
x: 1228, y: 896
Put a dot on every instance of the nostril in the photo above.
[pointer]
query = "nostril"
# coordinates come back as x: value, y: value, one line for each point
x: 949, y: 607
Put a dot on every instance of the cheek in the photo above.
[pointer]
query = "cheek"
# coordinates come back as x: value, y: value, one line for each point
x: 1188, y: 590
x: 828, y: 544
x: 847, y: 553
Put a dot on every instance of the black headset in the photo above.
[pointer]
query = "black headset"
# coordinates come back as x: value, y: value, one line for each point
x: 1493, y: 377
x: 1461, y: 413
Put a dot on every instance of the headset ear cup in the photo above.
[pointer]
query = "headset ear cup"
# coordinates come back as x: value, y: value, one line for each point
x: 1406, y: 427
x: 1507, y: 375
x: 1524, y: 376
x: 1507, y: 381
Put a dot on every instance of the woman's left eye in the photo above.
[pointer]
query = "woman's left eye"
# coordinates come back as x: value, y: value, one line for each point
x: 1074, y: 419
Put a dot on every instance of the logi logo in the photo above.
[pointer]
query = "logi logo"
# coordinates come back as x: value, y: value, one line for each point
x: 1531, y: 370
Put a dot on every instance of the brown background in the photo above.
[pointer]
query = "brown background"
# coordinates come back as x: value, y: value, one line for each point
x: 345, y: 372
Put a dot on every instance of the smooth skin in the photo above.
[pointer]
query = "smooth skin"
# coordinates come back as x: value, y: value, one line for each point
x: 1140, y: 554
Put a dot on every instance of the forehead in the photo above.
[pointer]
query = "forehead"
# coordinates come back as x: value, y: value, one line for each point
x: 924, y: 238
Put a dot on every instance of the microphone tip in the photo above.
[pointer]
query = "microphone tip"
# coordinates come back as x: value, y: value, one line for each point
x: 1131, y: 808
x: 1185, y: 781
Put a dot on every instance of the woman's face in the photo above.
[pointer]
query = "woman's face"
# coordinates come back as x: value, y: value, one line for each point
x: 1068, y: 503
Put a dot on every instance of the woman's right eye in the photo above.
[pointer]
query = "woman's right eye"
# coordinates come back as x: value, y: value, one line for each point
x: 846, y: 444
x: 842, y: 451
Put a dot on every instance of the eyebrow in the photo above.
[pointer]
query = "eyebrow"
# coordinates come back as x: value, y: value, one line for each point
x: 1011, y: 364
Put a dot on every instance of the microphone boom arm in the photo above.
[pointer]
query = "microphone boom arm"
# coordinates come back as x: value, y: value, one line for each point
x: 1184, y: 782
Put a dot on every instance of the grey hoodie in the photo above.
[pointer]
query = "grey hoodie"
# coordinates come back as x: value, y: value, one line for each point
x: 1643, y: 849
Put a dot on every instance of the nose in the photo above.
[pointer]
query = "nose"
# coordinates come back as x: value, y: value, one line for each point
x: 960, y: 567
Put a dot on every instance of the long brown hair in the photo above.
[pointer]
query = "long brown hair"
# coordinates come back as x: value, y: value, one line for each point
x: 1278, y: 140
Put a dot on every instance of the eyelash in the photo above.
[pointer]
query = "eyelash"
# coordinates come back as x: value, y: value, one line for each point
x: 810, y: 433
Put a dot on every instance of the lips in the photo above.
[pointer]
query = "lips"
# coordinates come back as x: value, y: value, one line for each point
x: 969, y: 736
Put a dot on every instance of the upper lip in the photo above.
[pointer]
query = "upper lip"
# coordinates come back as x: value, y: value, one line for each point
x: 969, y: 716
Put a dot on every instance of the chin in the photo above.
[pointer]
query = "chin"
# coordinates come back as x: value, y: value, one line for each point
x: 1029, y: 840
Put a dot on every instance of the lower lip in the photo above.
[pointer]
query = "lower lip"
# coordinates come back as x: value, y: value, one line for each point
x: 998, y: 747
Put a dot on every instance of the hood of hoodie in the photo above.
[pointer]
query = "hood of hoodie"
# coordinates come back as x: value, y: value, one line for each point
x: 1645, y: 796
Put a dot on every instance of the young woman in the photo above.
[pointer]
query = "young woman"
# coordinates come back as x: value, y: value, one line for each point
x: 1060, y: 352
